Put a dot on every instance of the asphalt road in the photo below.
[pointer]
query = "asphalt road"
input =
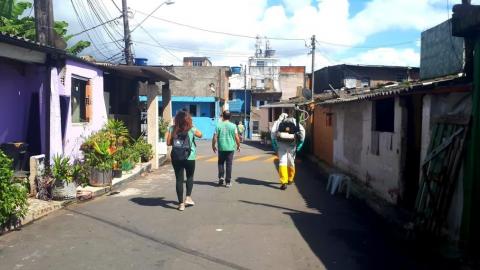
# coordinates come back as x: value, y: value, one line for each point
x: 253, y: 225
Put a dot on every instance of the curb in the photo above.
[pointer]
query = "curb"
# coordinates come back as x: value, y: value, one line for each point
x: 53, y: 206
x: 130, y: 178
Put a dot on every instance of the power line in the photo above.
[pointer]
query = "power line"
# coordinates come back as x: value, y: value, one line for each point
x: 159, y: 44
x: 218, y: 32
x: 275, y: 38
x: 83, y: 26
x: 96, y: 26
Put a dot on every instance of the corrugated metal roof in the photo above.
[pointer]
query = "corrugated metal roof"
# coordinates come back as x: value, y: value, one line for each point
x: 390, y: 91
x: 18, y: 39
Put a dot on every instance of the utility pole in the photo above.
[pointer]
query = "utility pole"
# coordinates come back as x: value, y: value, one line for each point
x: 126, y: 34
x: 44, y: 22
x: 245, y: 98
x: 313, y: 66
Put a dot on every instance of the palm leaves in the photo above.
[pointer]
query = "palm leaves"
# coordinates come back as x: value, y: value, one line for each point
x: 12, y: 22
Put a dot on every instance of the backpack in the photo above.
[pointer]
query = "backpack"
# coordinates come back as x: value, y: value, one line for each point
x: 181, y: 147
x: 287, y: 130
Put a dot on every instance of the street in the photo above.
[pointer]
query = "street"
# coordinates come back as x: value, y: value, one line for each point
x: 253, y: 225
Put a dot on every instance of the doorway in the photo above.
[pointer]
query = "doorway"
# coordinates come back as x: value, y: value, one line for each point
x: 412, y: 153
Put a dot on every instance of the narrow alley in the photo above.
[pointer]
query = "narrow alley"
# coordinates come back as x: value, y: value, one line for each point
x: 253, y: 225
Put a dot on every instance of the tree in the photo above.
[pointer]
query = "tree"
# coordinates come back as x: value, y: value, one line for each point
x: 12, y: 22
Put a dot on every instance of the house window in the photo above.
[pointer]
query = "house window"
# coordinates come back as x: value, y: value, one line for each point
x: 230, y: 95
x: 255, y: 127
x: 78, y: 100
x: 260, y: 63
x: 262, y: 80
x: 384, y: 115
x: 270, y: 115
x: 197, y: 63
x: 365, y: 82
x: 193, y: 109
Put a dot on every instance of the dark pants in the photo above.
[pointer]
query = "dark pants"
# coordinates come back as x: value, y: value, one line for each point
x: 225, y: 157
x: 181, y: 166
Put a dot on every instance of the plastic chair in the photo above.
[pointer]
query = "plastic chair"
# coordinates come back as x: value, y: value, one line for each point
x: 337, y: 182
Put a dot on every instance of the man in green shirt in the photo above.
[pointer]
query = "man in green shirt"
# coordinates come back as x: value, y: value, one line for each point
x: 227, y: 139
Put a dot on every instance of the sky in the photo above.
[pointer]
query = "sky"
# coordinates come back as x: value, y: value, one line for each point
x: 379, y: 32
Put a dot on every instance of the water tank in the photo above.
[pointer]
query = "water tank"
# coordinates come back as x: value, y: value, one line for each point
x: 269, y: 53
x: 236, y: 70
x: 141, y: 61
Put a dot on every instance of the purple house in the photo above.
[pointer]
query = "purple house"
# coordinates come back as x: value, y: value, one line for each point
x: 49, y: 101
x: 24, y: 94
x: 81, y: 106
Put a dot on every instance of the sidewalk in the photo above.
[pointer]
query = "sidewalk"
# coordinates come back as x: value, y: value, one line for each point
x: 40, y: 208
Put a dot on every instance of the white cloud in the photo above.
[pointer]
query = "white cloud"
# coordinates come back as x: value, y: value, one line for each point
x: 329, y: 20
x: 387, y: 56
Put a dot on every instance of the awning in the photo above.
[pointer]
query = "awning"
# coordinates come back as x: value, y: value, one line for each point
x: 145, y: 72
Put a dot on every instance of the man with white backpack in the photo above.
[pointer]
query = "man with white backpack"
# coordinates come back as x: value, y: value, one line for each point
x: 288, y: 137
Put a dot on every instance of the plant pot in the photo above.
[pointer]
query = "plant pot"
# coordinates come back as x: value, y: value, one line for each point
x: 64, y: 191
x: 100, y: 178
x: 117, y: 173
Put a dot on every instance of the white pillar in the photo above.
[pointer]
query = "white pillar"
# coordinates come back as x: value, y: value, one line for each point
x: 152, y: 121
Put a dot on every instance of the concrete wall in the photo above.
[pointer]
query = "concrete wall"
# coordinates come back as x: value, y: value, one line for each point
x: 77, y: 132
x: 441, y: 53
x: 196, y: 81
x: 352, y: 148
x: 22, y: 104
x: 291, y: 78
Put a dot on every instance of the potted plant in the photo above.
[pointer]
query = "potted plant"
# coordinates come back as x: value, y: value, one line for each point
x: 13, y: 196
x: 98, y: 153
x: 64, y: 187
x: 143, y: 149
x: 162, y: 129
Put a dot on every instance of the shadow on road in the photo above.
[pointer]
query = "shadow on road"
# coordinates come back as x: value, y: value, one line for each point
x: 158, y: 201
x: 343, y: 234
x: 256, y: 182
x: 206, y: 183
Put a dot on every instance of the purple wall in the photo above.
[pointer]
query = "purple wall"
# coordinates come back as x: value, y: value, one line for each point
x: 21, y: 117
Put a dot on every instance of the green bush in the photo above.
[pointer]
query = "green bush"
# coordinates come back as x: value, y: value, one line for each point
x: 162, y: 128
x: 143, y: 149
x: 13, y: 196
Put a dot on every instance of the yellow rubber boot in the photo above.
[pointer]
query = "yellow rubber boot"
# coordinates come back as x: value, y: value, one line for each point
x: 283, y: 173
x: 291, y: 174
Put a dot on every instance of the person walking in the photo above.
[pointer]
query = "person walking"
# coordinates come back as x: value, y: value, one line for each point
x: 241, y: 130
x: 181, y: 136
x: 227, y: 140
x: 287, y: 139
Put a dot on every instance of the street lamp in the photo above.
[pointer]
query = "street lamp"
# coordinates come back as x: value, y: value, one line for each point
x: 167, y: 2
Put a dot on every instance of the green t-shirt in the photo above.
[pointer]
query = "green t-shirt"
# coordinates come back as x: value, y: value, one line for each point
x: 191, y: 136
x: 226, y: 131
